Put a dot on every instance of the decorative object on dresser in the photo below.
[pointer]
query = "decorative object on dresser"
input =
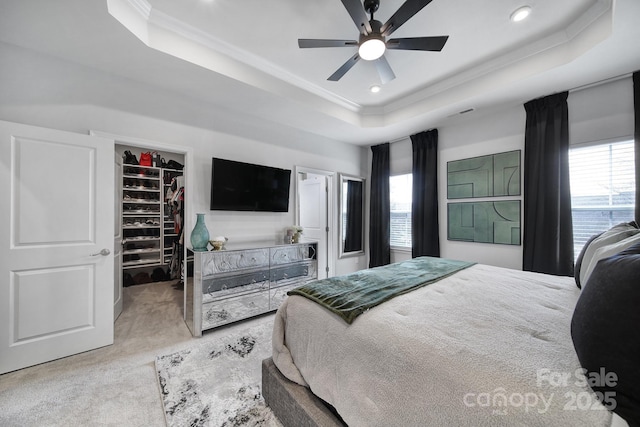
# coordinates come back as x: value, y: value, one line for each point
x: 200, y: 234
x: 293, y: 234
x: 217, y: 243
x: 244, y: 281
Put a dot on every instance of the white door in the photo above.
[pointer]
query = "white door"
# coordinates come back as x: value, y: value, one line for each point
x: 313, y: 215
x: 117, y: 240
x: 56, y: 272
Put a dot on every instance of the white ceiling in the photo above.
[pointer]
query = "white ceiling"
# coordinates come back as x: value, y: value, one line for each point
x: 247, y: 59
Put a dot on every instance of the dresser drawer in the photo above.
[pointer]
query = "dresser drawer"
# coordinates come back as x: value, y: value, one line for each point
x: 215, y: 287
x: 232, y: 309
x: 287, y: 254
x: 222, y: 261
x: 296, y: 272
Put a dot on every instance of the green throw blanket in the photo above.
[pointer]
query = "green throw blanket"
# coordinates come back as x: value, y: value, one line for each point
x: 351, y: 295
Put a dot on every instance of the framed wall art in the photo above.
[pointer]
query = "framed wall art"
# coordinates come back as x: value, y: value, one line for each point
x: 484, y: 222
x: 494, y: 175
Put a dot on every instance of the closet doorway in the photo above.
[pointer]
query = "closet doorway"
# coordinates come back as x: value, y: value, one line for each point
x: 151, y: 205
x: 152, y: 212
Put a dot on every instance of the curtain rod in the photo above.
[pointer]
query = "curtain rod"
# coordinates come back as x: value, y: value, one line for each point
x: 400, y: 139
x: 601, y: 82
x: 575, y: 89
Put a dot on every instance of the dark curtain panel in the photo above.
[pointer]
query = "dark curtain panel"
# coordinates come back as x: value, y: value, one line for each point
x: 424, y: 207
x: 636, y: 103
x: 380, y: 211
x: 353, y: 237
x: 548, y: 230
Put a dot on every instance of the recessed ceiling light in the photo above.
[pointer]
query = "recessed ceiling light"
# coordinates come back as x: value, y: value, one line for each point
x: 375, y: 89
x: 520, y: 13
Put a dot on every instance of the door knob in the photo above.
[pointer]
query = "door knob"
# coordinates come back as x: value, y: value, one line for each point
x: 103, y: 252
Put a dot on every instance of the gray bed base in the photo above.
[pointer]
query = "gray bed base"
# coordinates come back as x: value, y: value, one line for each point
x: 293, y: 404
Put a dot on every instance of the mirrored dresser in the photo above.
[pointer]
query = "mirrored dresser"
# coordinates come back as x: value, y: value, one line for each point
x: 244, y: 281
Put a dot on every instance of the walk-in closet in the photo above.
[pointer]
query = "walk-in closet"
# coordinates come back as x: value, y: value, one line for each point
x: 150, y: 200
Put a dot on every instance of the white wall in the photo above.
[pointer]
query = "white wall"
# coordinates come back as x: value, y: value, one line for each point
x: 478, y: 136
x: 475, y: 136
x: 48, y: 92
x: 601, y: 112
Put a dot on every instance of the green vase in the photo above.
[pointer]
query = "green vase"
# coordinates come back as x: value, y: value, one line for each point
x: 200, y: 235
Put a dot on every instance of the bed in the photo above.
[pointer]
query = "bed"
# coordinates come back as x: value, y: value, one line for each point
x: 484, y: 346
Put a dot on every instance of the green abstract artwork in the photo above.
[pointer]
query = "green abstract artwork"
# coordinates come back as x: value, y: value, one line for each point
x: 485, y: 176
x: 484, y: 222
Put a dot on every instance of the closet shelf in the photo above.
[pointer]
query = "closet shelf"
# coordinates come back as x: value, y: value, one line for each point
x: 140, y: 239
x: 141, y: 189
x: 140, y: 176
x: 140, y: 212
x: 141, y: 201
x: 140, y: 263
x: 140, y: 251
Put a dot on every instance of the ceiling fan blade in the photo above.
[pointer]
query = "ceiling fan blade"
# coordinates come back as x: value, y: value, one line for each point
x: 359, y: 16
x: 402, y: 15
x: 305, y: 43
x: 345, y: 67
x: 433, y: 44
x: 384, y: 70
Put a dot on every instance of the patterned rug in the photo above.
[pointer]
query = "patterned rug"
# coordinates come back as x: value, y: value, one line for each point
x: 217, y: 381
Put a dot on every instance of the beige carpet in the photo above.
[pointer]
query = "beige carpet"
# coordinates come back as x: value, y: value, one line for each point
x: 110, y: 386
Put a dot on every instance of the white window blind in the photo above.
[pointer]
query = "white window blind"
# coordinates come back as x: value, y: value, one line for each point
x: 602, y: 188
x: 400, y: 188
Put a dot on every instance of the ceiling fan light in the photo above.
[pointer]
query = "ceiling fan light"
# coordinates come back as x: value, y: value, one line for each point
x: 520, y: 14
x: 371, y: 49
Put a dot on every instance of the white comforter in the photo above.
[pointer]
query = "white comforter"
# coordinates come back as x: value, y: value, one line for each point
x: 485, y: 347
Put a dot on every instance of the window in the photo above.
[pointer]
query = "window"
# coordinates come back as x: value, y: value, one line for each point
x: 400, y: 197
x: 602, y: 188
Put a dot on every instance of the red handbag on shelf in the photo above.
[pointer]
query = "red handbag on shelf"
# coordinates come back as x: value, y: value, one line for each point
x: 145, y: 159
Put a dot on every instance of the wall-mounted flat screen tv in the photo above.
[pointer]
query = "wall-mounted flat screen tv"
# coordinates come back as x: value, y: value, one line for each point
x: 238, y: 186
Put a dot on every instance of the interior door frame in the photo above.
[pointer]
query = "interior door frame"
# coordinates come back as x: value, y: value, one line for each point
x: 117, y: 241
x: 331, y: 218
x: 187, y: 152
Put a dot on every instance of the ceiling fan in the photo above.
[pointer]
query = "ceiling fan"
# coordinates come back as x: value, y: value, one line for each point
x: 373, y: 37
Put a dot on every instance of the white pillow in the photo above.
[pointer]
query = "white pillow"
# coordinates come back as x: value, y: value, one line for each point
x: 588, y: 264
x: 614, y: 234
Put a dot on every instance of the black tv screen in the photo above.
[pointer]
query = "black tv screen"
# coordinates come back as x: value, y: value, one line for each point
x: 238, y: 186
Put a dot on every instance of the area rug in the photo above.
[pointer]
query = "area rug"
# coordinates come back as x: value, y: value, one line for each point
x: 217, y: 382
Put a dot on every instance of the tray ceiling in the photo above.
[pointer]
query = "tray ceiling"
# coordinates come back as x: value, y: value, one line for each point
x: 248, y: 51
